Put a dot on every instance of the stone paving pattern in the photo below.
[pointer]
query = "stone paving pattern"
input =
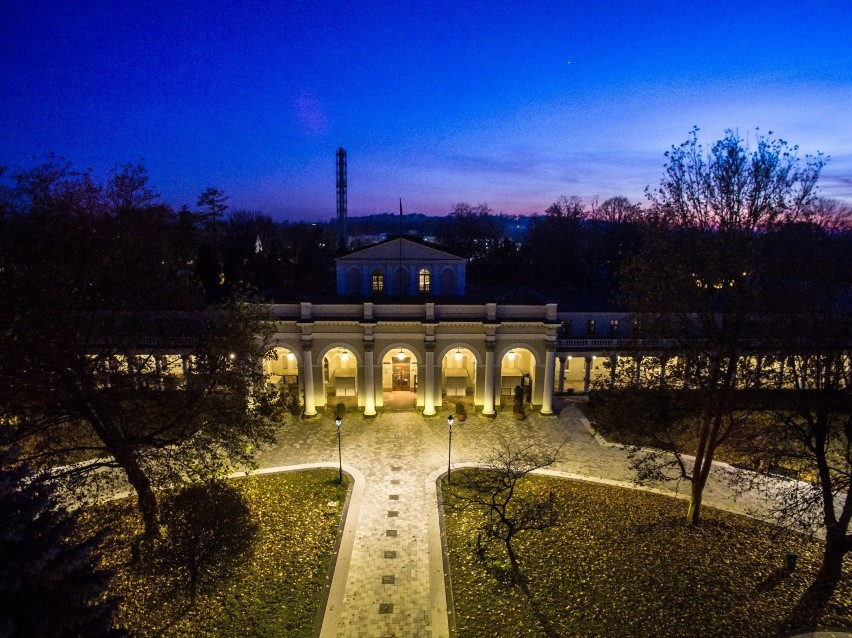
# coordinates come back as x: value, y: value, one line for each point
x: 388, y: 589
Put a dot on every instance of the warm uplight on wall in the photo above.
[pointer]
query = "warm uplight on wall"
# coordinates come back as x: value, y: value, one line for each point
x: 458, y: 354
x: 290, y: 356
x: 511, y: 355
x: 344, y: 356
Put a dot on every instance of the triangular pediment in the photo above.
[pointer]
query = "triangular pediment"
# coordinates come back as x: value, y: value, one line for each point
x: 394, y: 249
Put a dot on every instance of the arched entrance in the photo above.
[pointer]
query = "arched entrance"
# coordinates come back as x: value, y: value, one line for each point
x: 516, y: 369
x: 399, y: 379
x: 282, y: 372
x: 458, y: 377
x: 340, y: 377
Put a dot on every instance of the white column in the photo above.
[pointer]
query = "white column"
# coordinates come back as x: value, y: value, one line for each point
x: 308, y: 370
x: 488, y: 394
x: 369, y: 381
x: 587, y: 378
x: 547, y: 395
x: 429, y: 390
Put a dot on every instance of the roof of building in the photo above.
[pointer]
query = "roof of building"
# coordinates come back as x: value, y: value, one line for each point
x: 411, y: 247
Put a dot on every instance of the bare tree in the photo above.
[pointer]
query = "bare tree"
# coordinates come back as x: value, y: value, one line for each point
x: 493, y: 489
x: 619, y: 210
x: 701, y: 272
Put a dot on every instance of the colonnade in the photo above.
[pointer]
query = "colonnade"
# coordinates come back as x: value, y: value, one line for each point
x: 553, y: 370
x: 430, y: 388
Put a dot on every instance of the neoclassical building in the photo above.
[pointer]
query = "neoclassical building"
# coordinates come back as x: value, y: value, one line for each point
x: 402, y: 332
x: 422, y: 354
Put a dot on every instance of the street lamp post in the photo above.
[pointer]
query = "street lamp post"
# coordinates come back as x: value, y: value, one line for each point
x: 450, y: 446
x: 337, y: 422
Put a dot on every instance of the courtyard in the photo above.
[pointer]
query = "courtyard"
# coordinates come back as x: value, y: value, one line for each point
x: 389, y: 574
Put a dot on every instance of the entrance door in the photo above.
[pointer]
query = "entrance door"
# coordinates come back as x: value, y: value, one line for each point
x: 401, y: 374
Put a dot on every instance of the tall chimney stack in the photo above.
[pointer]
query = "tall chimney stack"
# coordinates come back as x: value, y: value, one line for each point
x: 342, y: 229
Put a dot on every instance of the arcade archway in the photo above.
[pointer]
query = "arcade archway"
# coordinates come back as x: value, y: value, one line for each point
x: 458, y: 377
x: 282, y: 372
x: 399, y: 378
x: 517, y: 368
x: 340, y: 377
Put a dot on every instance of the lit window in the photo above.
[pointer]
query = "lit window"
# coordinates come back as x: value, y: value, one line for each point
x: 613, y: 326
x: 591, y: 327
x: 425, y: 280
x: 378, y: 281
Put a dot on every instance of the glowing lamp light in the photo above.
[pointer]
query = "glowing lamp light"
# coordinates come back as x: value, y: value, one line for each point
x: 511, y: 355
x: 232, y: 356
x: 344, y: 357
x: 458, y: 354
x: 401, y: 355
x: 290, y: 356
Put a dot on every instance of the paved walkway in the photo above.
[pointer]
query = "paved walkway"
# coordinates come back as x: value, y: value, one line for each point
x: 389, y: 575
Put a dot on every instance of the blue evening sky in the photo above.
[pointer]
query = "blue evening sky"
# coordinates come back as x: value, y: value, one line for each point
x: 512, y: 104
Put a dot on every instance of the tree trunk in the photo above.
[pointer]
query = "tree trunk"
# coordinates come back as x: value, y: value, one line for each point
x: 832, y: 558
x: 693, y: 515
x: 512, y: 558
x: 147, y: 500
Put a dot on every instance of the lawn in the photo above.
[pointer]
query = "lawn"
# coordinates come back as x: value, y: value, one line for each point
x: 623, y: 562
x: 744, y: 447
x: 276, y: 589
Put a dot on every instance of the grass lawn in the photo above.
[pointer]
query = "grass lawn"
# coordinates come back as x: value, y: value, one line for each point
x: 275, y: 591
x: 623, y: 562
x: 742, y: 448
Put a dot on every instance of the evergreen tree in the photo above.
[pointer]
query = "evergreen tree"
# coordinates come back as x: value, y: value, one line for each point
x: 49, y: 585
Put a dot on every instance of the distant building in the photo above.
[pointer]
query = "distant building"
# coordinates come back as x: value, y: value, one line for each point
x: 401, y: 266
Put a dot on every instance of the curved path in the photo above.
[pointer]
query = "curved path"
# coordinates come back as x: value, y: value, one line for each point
x: 389, y: 576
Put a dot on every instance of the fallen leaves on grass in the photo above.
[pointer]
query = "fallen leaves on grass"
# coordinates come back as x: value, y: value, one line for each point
x: 275, y: 592
x: 623, y: 562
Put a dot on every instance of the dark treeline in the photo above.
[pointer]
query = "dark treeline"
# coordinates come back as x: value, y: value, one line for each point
x: 572, y: 246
